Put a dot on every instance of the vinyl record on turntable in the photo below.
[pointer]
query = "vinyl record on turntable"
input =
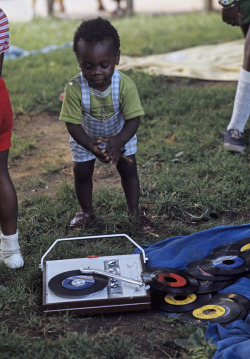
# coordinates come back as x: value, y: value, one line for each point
x: 242, y: 245
x: 74, y: 284
x: 177, y: 303
x: 222, y: 313
x: 194, y: 269
x: 231, y: 263
x: 170, y: 280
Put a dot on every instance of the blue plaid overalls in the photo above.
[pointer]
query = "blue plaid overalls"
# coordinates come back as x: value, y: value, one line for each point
x: 97, y: 128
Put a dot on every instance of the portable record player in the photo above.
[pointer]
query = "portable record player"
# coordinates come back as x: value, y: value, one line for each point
x: 95, y: 284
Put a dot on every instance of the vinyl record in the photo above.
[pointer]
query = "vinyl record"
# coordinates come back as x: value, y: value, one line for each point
x: 177, y: 303
x: 207, y: 286
x: 196, y: 271
x: 222, y: 249
x: 75, y: 284
x: 247, y: 274
x: 242, y: 245
x: 170, y: 280
x: 231, y: 263
x: 235, y: 297
x: 223, y: 313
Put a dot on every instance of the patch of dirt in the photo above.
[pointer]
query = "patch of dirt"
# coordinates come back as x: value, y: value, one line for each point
x: 48, y: 163
x: 153, y: 335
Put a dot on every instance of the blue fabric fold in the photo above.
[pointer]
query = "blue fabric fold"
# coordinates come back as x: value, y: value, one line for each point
x: 233, y: 340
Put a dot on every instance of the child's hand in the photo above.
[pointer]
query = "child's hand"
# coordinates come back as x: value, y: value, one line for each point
x: 231, y: 15
x: 100, y: 154
x: 113, y: 150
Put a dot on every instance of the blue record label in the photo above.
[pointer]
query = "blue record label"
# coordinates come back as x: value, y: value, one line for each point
x: 78, y: 282
x: 227, y: 262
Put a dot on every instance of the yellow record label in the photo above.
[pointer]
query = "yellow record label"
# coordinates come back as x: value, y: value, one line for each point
x: 180, y: 299
x: 210, y: 311
x: 245, y: 247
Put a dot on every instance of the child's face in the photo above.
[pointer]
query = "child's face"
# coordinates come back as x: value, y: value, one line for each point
x: 97, y: 62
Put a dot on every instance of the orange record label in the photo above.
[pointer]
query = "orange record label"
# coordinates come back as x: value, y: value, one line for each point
x: 171, y: 279
x: 180, y: 299
x: 210, y: 311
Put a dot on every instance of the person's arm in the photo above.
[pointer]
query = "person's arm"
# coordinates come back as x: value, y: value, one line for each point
x: 80, y: 136
x: 4, y: 38
x: 1, y: 63
x: 115, y: 144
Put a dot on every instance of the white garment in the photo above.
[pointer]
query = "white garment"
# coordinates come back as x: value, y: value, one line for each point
x: 241, y: 108
x: 10, y: 251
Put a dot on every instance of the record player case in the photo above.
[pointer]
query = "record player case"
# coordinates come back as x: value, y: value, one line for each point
x: 120, y: 295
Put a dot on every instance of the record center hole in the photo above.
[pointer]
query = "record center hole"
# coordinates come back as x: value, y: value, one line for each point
x: 209, y: 311
x: 228, y: 262
x: 180, y: 297
x: 170, y: 279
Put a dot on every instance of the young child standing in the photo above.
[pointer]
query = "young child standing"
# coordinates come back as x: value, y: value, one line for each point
x: 102, y: 111
x: 9, y: 247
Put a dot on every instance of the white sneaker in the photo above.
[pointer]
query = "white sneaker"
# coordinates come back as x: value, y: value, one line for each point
x: 14, y: 261
x: 10, y: 253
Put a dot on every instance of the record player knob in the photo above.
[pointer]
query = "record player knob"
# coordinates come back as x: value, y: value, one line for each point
x: 111, y: 263
x: 114, y: 284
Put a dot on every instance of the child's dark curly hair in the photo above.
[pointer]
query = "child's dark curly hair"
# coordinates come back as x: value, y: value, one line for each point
x: 94, y: 31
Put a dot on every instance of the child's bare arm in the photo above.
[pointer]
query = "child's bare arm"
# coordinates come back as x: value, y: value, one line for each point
x: 80, y: 136
x: 116, y: 143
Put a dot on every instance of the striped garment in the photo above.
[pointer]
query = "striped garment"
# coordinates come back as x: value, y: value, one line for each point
x: 4, y: 32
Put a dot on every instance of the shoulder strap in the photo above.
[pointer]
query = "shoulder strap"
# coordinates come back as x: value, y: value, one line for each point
x: 85, y: 92
x: 115, y: 87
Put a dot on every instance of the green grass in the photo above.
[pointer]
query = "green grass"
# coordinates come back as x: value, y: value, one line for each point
x: 35, y: 82
x: 19, y: 145
x: 156, y: 34
x: 188, y: 184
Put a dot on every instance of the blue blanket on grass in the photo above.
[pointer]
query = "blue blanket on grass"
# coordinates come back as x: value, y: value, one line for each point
x: 15, y: 52
x: 233, y: 340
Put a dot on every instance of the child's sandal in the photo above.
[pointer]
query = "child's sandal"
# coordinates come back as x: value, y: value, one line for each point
x: 81, y: 220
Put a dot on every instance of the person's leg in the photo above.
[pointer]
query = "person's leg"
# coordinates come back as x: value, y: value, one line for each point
x: 100, y: 5
x: 62, y: 9
x: 50, y: 5
x: 33, y: 7
x: 8, y: 198
x: 130, y: 183
x: 83, y: 172
x: 118, y: 4
x: 234, y: 140
x: 131, y: 186
x: 10, y: 250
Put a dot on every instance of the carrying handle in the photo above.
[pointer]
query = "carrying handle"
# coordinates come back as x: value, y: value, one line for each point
x: 92, y: 237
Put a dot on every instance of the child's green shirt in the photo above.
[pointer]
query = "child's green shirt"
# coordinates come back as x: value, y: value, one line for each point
x: 130, y: 103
